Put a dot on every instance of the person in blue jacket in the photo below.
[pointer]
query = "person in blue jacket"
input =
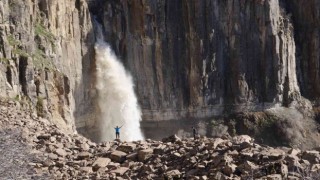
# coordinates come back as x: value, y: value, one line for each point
x: 117, y: 128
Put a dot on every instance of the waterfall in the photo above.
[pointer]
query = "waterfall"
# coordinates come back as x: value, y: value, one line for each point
x: 116, y: 98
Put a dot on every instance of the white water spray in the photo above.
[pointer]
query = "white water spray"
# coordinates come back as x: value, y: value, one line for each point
x: 117, y: 100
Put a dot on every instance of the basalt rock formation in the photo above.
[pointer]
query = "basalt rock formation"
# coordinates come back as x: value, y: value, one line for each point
x: 189, y: 59
x: 46, y: 49
x: 195, y: 59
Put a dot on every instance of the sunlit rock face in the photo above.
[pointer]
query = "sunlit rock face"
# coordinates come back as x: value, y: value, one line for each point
x: 46, y: 52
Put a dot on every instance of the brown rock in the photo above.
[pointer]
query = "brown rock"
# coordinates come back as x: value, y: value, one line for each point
x: 86, y: 169
x: 173, y: 174
x: 312, y: 156
x: 127, y: 148
x: 144, y: 154
x: 60, y: 152
x: 215, y: 142
x: 44, y: 136
x: 133, y: 156
x: 113, y: 165
x: 229, y: 169
x: 118, y: 156
x: 83, y: 155
x: 241, y: 139
x: 159, y: 149
x: 100, y: 162
x: 84, y: 147
x: 52, y: 156
x: 120, y: 171
x: 172, y: 139
x: 274, y: 177
x: 247, y: 166
x: 294, y: 152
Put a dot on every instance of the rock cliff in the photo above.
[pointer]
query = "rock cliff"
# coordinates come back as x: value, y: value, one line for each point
x: 189, y: 59
x: 45, y: 51
x: 196, y: 59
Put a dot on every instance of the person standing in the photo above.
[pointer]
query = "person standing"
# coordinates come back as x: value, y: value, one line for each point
x: 194, y: 132
x: 117, y: 128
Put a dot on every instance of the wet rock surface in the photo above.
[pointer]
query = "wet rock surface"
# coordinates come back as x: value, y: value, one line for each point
x: 32, y: 144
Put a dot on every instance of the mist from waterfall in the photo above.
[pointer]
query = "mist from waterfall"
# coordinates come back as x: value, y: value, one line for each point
x: 116, y: 98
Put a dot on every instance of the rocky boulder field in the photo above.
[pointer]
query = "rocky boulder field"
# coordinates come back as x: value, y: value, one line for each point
x: 34, y: 148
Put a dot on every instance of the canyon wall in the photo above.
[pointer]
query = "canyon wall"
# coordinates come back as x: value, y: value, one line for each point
x: 305, y: 17
x: 46, y: 47
x: 196, y: 59
x: 189, y: 59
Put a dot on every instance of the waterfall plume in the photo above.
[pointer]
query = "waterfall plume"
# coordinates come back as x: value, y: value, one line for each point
x: 116, y: 98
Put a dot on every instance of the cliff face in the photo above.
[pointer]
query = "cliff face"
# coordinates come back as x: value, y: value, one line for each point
x: 45, y: 51
x: 203, y: 58
x: 306, y: 21
x: 189, y: 59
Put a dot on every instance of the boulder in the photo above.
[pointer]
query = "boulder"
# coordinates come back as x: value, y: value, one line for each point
x: 273, y: 177
x: 312, y: 156
x: 172, y: 139
x: 294, y: 152
x: 83, y: 155
x: 159, y: 149
x: 215, y: 142
x: 241, y: 139
x: 173, y: 174
x: 86, y: 169
x: 127, y: 148
x: 229, y: 169
x: 100, y: 162
x: 118, y: 156
x: 120, y: 171
x: 247, y: 166
x: 144, y: 154
x: 133, y: 156
x: 52, y: 156
x: 60, y: 152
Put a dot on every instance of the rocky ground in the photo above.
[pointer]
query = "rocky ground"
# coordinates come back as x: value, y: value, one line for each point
x: 34, y: 148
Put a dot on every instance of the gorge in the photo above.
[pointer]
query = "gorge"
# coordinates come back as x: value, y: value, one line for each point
x: 190, y: 60
x: 244, y: 73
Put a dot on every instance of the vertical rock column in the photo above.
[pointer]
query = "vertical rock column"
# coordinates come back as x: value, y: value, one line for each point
x: 196, y: 59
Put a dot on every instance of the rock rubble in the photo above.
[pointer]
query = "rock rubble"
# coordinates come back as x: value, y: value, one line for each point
x: 71, y: 156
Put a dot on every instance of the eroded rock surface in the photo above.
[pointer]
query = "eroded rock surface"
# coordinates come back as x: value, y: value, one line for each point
x: 46, y: 48
x: 196, y: 59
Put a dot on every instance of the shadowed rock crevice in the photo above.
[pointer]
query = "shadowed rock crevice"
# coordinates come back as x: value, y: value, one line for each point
x: 23, y: 63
